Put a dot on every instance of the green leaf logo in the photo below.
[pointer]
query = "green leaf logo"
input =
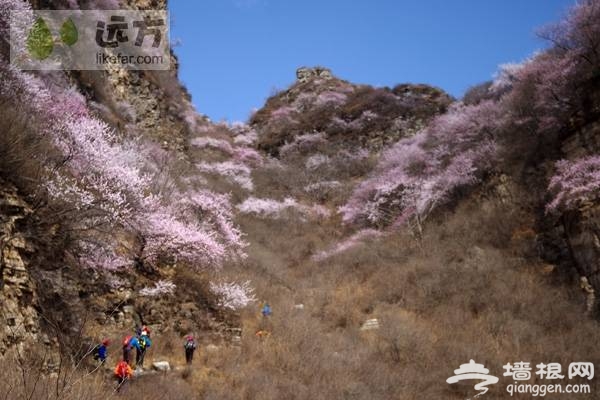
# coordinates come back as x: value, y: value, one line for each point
x: 68, y: 33
x: 39, y: 41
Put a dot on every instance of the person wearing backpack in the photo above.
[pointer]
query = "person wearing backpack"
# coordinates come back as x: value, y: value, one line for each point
x: 134, y: 342
x: 146, y: 330
x: 266, y: 310
x: 190, y: 347
x: 144, y: 343
x: 127, y: 349
x: 123, y: 372
x: 101, y: 351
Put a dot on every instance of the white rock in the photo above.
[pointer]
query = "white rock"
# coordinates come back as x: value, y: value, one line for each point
x: 370, y: 324
x: 161, y: 366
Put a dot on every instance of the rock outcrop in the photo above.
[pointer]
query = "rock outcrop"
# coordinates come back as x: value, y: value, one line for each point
x: 305, y: 74
x: 18, y: 298
x: 582, y: 232
x: 581, y: 228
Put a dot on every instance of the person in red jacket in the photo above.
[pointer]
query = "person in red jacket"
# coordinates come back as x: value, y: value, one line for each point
x: 123, y: 372
x: 127, y: 347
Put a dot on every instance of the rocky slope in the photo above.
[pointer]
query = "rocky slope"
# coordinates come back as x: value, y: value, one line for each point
x: 452, y: 227
x: 47, y: 297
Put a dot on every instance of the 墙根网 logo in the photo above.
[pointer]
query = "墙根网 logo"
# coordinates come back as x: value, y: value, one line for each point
x: 475, y: 372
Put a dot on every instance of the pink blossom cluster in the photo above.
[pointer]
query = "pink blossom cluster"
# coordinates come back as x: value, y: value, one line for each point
x: 270, y: 208
x: 553, y: 87
x: 232, y: 295
x: 330, y: 99
x: 335, y: 98
x: 193, y: 225
x: 99, y: 255
x: 190, y: 117
x: 235, y: 172
x: 506, y: 76
x: 241, y: 153
x: 356, y: 239
x: 18, y: 31
x: 357, y: 124
x: 203, y: 142
x: 574, y: 183
x: 115, y: 183
x: 247, y: 155
x: 421, y: 172
x: 97, y: 4
x: 544, y: 95
x: 160, y: 288
x: 243, y: 134
x: 284, y: 113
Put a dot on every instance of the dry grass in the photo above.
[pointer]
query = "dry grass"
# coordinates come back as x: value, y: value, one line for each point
x: 472, y: 288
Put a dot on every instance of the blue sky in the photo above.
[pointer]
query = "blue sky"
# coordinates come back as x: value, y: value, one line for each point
x: 234, y: 53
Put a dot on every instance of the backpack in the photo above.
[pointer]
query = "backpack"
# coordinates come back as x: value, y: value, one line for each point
x: 96, y: 352
x: 142, y: 343
x: 190, y: 345
x: 122, y: 369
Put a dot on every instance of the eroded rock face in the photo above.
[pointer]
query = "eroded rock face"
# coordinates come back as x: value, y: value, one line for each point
x: 584, y: 142
x: 582, y: 231
x: 582, y: 227
x: 18, y: 316
x: 305, y: 74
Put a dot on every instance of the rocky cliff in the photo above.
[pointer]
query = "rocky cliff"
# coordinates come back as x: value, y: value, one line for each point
x: 396, y: 232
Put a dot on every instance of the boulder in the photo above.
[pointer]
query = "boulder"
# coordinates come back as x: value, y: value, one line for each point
x: 304, y: 74
x: 162, y: 366
x: 370, y: 324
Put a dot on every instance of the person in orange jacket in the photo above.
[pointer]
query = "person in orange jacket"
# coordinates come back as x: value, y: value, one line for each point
x: 123, y: 372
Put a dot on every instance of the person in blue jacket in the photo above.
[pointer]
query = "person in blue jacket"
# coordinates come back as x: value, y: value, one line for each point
x: 134, y: 343
x: 144, y: 344
x: 101, y: 351
x: 266, y: 310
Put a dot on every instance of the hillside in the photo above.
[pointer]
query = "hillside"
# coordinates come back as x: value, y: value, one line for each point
x: 460, y: 228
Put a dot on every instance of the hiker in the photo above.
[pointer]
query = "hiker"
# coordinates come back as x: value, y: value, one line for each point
x: 266, y: 310
x: 134, y: 342
x: 127, y: 349
x: 263, y: 334
x: 101, y: 350
x: 144, y: 343
x: 146, y: 330
x: 189, y: 346
x: 123, y: 372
